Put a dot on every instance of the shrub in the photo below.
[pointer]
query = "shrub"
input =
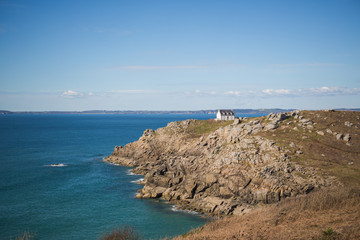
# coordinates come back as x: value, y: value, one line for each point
x: 329, y: 235
x: 25, y: 236
x: 122, y: 233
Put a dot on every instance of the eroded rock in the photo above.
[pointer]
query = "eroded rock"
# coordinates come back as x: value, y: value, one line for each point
x: 222, y: 172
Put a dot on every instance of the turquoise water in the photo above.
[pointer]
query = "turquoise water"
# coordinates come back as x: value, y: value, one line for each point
x: 84, y: 197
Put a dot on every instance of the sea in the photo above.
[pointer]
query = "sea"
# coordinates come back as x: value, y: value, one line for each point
x: 55, y: 184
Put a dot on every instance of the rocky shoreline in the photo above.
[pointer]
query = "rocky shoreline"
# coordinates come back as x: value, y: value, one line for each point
x: 223, y: 170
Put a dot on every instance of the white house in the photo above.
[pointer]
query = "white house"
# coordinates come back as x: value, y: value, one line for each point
x: 225, y: 115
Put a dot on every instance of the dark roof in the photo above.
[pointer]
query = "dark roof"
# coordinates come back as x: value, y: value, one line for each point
x: 227, y: 112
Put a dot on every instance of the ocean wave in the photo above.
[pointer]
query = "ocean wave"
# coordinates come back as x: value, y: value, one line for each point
x: 57, y: 165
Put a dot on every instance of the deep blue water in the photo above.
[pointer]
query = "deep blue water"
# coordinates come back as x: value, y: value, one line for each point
x: 87, y: 196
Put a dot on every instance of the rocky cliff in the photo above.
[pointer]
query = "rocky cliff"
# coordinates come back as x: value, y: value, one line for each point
x: 229, y: 167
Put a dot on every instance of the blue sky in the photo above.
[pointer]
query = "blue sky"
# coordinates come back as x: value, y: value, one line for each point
x: 179, y: 55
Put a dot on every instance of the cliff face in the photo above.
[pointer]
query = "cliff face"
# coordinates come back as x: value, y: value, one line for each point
x: 230, y: 167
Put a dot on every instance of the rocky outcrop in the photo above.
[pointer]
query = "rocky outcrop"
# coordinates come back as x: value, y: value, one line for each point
x: 225, y: 171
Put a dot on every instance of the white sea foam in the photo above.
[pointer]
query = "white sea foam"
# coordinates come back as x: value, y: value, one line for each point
x: 129, y: 172
x: 175, y: 209
x: 113, y: 163
x: 57, y: 165
x: 140, y: 180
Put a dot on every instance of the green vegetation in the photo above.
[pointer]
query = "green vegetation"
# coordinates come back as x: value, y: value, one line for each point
x: 329, y: 234
x: 203, y: 127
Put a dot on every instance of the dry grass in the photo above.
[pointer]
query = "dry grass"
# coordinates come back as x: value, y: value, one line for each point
x: 331, y: 156
x: 321, y: 215
x: 26, y: 235
x: 122, y: 233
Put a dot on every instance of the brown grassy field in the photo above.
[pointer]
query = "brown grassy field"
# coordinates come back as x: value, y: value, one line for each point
x: 322, y: 215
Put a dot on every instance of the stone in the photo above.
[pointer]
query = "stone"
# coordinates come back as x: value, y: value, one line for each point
x: 190, y: 188
x: 320, y: 133
x: 348, y: 124
x: 261, y: 195
x: 157, y: 192
x: 214, y: 200
x: 237, y: 121
x: 210, y: 179
x: 339, y: 136
x: 277, y: 117
x: 270, y: 126
x: 168, y: 194
x: 347, y: 137
x: 148, y: 132
x: 225, y: 191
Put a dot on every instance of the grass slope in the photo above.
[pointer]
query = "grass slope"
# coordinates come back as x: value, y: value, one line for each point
x: 320, y: 215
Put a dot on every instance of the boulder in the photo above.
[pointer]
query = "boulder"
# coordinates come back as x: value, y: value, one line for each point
x: 348, y: 124
x: 190, y: 188
x: 270, y: 126
x: 339, y: 136
x: 237, y: 121
x: 210, y: 178
x: 347, y: 137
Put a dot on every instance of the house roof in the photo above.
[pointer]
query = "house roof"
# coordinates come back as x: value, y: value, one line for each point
x: 227, y: 112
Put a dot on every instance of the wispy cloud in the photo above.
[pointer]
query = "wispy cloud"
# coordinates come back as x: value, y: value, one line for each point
x: 306, y: 92
x: 157, y: 67
x: 311, y: 64
x: 240, y: 93
x: 76, y: 94
x: 131, y: 91
x: 201, y: 93
x: 72, y: 94
x: 301, y: 92
x: 276, y: 92
x: 264, y: 93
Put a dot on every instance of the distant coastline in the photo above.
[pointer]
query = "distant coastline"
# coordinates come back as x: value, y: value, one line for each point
x: 236, y: 111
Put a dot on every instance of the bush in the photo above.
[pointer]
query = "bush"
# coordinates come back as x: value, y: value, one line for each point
x: 329, y: 235
x: 25, y: 236
x: 122, y: 233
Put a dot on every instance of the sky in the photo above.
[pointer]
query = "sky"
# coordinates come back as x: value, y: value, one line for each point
x: 179, y: 55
